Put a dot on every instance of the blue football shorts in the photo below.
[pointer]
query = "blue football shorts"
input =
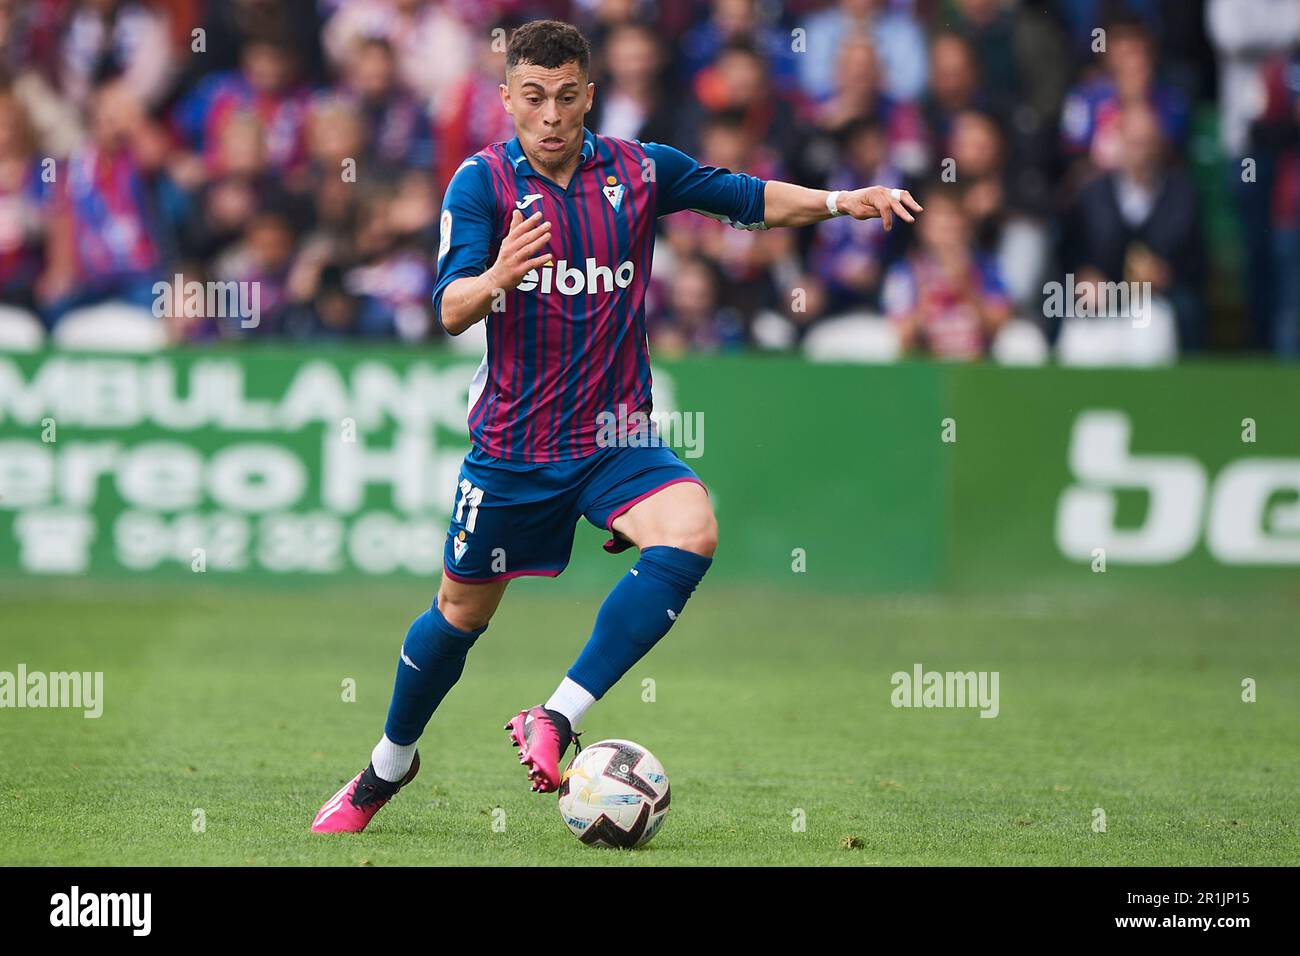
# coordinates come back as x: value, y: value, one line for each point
x: 515, y: 518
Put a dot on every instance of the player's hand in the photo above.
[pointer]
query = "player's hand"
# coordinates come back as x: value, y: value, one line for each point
x: 522, y: 250
x: 873, y: 201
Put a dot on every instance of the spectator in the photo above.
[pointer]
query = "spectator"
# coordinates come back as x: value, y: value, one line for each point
x: 227, y: 25
x: 954, y: 85
x: 399, y: 135
x: 746, y: 259
x: 301, y: 143
x: 1090, y: 117
x: 847, y: 255
x: 946, y: 298
x: 473, y: 116
x: 101, y: 240
x: 393, y: 277
x: 1279, y: 131
x: 1023, y: 61
x: 1140, y: 223
x: 336, y: 137
x: 24, y: 194
x: 1021, y: 55
x: 266, y: 87
x: 1002, y: 212
x: 857, y: 95
x: 632, y: 103
x: 120, y: 37
x: 892, y: 31
x: 435, y: 49
x: 1245, y: 33
x: 261, y: 257
x: 1081, y: 19
x: 738, y: 23
x: 738, y: 83
x: 240, y: 184
x: 164, y: 170
x: 693, y: 320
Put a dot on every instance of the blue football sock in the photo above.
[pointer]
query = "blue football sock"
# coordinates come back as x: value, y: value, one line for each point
x: 639, y: 611
x: 433, y: 656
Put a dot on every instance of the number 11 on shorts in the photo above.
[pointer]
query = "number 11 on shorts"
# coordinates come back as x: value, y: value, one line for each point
x: 471, y: 496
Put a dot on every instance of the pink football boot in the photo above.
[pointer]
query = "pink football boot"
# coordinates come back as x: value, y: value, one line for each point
x: 350, y: 810
x: 542, y: 737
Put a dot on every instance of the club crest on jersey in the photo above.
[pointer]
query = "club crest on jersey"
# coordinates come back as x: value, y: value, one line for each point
x: 613, y: 192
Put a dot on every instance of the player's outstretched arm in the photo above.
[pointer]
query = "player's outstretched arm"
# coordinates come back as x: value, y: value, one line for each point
x: 786, y: 204
x: 469, y: 299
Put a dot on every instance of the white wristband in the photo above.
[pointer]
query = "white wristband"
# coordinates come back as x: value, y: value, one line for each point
x: 832, y: 199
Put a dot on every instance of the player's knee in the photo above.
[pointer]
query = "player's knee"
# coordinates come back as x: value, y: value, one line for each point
x: 699, y: 535
x: 464, y: 613
x: 464, y: 617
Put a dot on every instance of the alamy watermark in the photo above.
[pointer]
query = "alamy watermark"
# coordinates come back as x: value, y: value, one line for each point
x: 922, y: 688
x: 675, y: 429
x: 209, y: 300
x: 130, y: 910
x: 79, y: 690
x: 1098, y: 300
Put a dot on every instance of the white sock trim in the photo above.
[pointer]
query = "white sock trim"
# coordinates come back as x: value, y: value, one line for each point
x: 572, y: 700
x: 391, y: 760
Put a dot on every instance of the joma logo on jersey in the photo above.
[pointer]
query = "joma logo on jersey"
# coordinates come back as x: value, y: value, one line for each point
x: 571, y: 280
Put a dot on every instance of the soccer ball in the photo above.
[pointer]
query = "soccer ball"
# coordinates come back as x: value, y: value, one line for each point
x: 614, y: 793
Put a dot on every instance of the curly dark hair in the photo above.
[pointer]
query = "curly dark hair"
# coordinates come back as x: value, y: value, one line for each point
x: 548, y: 43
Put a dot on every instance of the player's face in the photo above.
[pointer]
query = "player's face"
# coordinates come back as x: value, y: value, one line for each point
x: 548, y: 106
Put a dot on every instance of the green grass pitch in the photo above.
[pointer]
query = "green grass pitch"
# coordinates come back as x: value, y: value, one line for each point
x: 229, y: 700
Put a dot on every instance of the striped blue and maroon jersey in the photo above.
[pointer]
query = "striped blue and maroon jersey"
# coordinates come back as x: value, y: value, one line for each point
x: 570, y: 342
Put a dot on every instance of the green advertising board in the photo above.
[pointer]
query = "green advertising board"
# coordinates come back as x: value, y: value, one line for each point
x: 297, y: 464
x: 1185, y: 477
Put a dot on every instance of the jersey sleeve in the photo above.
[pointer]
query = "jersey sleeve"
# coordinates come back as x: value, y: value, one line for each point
x: 682, y: 183
x: 465, y: 228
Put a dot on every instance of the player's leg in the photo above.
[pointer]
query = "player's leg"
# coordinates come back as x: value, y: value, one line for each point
x: 676, y: 532
x: 679, y: 516
x: 649, y: 498
x: 430, y: 663
x: 504, y: 523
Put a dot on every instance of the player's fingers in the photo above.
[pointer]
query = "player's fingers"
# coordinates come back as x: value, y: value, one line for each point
x: 530, y: 248
x: 537, y: 262
x: 903, y: 214
x: 531, y: 232
x: 519, y: 240
x: 519, y: 224
x: 886, y: 218
x: 907, y: 198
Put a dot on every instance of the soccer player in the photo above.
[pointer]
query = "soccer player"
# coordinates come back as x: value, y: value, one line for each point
x: 549, y: 238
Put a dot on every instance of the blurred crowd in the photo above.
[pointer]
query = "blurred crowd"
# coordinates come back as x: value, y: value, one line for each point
x: 303, y: 145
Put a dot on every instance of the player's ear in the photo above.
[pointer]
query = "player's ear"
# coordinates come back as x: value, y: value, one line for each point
x: 591, y: 96
x: 505, y: 98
